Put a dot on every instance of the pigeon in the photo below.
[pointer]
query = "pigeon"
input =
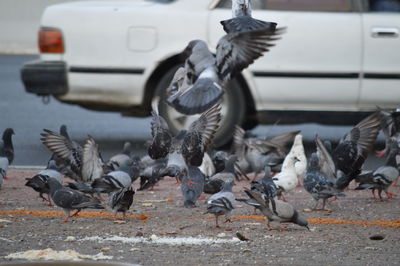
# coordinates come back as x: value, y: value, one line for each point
x: 121, y: 200
x: 206, y: 75
x: 298, y: 151
x: 266, y: 187
x: 6, y: 145
x: 118, y: 179
x: 117, y: 160
x: 345, y: 162
x: 87, y: 164
x: 187, y: 148
x: 39, y: 182
x: 384, y: 176
x: 192, y: 186
x: 285, y: 213
x: 69, y: 199
x: 287, y: 179
x: 317, y: 184
x: 390, y: 125
x: 215, y: 183
x: 150, y: 176
x: 242, y: 19
x: 222, y: 203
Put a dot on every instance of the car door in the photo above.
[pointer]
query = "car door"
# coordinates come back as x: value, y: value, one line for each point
x: 381, y: 54
x: 317, y: 63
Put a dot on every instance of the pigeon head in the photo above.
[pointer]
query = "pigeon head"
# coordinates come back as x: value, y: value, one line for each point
x: 300, y: 220
x: 241, y: 8
x: 7, y: 134
x: 189, y: 49
x: 52, y: 165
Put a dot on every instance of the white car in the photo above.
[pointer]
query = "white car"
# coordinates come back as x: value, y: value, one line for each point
x: 337, y: 57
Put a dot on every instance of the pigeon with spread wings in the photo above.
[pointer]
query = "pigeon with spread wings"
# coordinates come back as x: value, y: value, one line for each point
x: 200, y: 84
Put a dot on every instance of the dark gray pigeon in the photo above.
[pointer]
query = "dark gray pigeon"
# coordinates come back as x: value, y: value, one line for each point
x: 6, y: 145
x: 242, y: 19
x: 222, y: 203
x: 317, y: 184
x: 39, y: 182
x: 69, y: 199
x: 285, y: 213
x: 206, y: 75
x: 121, y: 200
x: 192, y: 186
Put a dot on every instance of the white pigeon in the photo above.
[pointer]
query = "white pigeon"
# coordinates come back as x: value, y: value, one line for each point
x: 297, y: 150
x: 287, y: 179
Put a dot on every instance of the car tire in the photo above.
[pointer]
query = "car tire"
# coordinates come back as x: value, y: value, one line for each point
x: 233, y: 109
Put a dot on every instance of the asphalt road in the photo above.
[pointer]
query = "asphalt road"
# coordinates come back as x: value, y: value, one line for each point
x: 28, y: 116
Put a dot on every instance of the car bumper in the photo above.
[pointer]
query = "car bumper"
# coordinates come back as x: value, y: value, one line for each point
x: 45, y: 77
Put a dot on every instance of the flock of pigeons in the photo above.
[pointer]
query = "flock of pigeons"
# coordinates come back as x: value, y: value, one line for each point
x: 197, y: 88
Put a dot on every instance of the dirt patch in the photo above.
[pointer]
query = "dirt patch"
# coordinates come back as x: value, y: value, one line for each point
x: 158, y: 231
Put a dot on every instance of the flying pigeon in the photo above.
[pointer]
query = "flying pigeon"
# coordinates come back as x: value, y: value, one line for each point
x: 317, y: 184
x: 242, y: 20
x: 39, y: 182
x: 69, y: 199
x: 87, y: 165
x: 121, y: 200
x: 206, y: 75
x: 222, y: 203
x: 192, y: 186
x: 285, y: 213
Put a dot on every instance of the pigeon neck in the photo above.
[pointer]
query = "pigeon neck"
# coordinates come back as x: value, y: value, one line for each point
x: 230, y: 165
x: 241, y: 8
x: 63, y: 131
x: 54, y: 185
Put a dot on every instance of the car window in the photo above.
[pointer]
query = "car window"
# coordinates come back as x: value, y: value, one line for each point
x: 384, y: 5
x: 298, y: 5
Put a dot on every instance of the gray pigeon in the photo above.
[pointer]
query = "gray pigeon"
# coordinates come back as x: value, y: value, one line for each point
x: 39, y: 182
x: 121, y: 200
x: 116, y: 180
x: 86, y: 164
x: 242, y: 19
x: 192, y: 186
x: 222, y: 203
x: 69, y: 199
x: 6, y: 145
x: 384, y: 176
x: 215, y: 183
x: 317, y: 184
x: 206, y: 75
x: 118, y: 159
x: 285, y: 213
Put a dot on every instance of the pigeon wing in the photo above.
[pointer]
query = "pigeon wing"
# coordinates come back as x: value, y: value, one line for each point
x: 236, y: 51
x: 92, y: 166
x: 199, y: 136
x: 161, y: 143
x: 326, y: 164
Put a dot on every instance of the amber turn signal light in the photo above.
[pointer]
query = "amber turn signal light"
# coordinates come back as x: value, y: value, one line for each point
x: 51, y: 41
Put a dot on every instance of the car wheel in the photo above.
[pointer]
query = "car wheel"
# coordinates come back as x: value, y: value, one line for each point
x: 232, y: 109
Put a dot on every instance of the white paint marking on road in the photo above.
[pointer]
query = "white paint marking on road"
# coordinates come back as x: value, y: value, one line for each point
x: 173, y: 241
